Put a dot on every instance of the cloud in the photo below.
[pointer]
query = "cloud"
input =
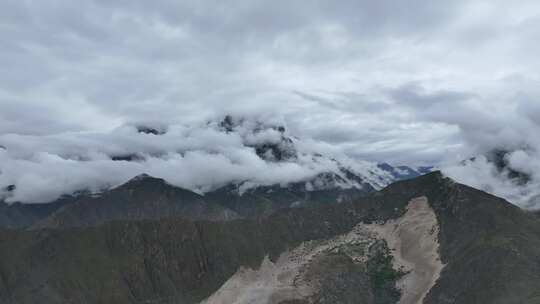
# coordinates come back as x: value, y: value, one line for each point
x: 505, y: 151
x: 416, y: 83
x: 200, y: 157
x: 484, y: 174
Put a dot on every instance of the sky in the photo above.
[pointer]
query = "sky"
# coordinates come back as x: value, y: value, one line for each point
x: 414, y: 82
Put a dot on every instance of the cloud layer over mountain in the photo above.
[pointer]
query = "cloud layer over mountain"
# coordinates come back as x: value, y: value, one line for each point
x: 201, y: 158
x: 417, y: 82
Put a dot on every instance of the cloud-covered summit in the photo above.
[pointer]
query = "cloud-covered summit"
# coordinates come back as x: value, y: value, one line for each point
x: 512, y: 174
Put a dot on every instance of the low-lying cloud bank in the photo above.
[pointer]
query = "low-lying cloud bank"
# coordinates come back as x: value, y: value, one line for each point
x: 515, y: 177
x: 501, y: 154
x: 201, y: 158
x: 498, y: 152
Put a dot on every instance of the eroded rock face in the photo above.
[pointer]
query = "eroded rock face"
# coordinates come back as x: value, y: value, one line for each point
x: 291, y: 277
x: 313, y: 271
x: 413, y: 240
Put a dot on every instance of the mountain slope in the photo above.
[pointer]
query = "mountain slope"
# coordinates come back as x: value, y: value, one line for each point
x: 18, y: 215
x: 143, y: 197
x: 146, y: 197
x: 483, y: 241
x: 265, y: 200
x: 288, y: 173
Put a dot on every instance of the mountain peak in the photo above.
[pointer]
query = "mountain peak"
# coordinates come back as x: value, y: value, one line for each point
x: 153, y: 130
x: 143, y: 179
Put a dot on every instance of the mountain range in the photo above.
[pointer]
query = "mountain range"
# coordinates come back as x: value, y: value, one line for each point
x: 423, y: 240
x: 351, y: 233
x: 146, y: 197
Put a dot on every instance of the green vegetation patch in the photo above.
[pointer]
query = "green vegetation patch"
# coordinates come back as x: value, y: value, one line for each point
x: 383, y: 276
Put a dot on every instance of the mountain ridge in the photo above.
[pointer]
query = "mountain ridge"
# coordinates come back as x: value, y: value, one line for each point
x: 232, y: 201
x: 175, y: 260
x: 201, y: 158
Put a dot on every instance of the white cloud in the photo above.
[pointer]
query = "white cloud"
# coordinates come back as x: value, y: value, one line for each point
x: 416, y: 82
x: 200, y: 158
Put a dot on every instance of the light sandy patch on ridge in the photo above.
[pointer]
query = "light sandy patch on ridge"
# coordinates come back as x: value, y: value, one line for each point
x: 413, y: 240
x: 283, y: 280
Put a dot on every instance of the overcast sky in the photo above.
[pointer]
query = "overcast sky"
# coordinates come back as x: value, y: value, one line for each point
x: 382, y: 79
x: 411, y: 82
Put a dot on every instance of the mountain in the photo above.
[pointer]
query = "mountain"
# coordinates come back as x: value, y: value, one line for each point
x: 146, y: 197
x: 403, y: 172
x: 338, y: 183
x: 505, y: 172
x: 20, y: 215
x: 330, y: 181
x: 273, y: 143
x: 143, y: 197
x: 265, y: 200
x: 427, y: 240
